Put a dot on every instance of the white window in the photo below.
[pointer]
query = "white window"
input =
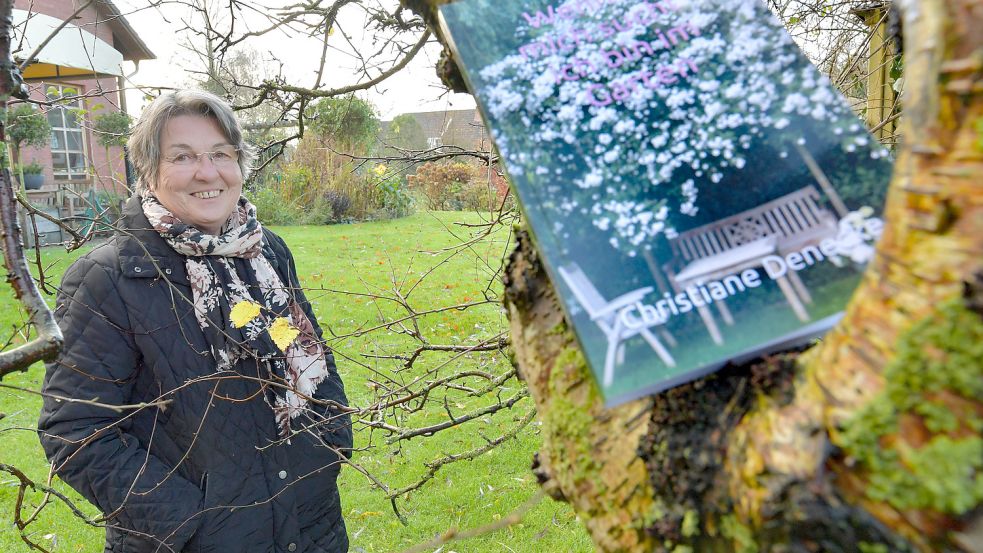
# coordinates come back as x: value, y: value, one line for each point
x: 68, y: 160
x: 433, y: 142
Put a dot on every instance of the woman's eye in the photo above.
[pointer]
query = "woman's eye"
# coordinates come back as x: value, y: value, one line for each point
x: 221, y: 156
x: 181, y: 158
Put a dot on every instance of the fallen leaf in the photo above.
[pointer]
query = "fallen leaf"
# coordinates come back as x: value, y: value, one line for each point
x: 283, y: 333
x: 244, y: 312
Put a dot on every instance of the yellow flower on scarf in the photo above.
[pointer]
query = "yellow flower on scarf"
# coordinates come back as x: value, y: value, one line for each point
x: 243, y: 313
x: 283, y: 333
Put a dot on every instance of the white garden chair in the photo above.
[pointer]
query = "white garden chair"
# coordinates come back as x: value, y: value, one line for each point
x: 606, y: 315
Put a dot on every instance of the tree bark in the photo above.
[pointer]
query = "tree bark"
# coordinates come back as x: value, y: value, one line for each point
x: 869, y: 441
x: 48, y: 340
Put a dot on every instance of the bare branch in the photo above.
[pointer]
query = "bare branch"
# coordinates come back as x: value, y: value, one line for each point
x: 49, y: 338
x: 340, y: 91
x: 453, y: 534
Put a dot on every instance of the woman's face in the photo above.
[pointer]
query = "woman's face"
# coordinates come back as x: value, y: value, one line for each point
x: 200, y: 192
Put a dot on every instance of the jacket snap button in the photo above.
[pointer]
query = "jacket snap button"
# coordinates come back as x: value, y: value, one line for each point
x: 137, y: 270
x: 283, y: 476
x: 167, y: 271
x: 292, y: 547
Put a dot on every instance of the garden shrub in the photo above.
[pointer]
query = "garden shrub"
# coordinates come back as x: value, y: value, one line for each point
x: 271, y: 209
x: 478, y: 196
x: 320, y: 186
x: 26, y: 126
x: 318, y: 212
x: 111, y: 201
x: 340, y: 203
x: 454, y: 186
x: 393, y: 192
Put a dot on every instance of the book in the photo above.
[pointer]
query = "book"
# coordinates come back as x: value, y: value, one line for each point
x: 698, y: 192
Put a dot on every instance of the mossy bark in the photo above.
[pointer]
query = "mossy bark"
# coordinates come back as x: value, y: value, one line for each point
x: 589, y: 455
x: 868, y: 442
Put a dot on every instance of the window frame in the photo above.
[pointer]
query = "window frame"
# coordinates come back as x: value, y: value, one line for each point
x: 68, y: 175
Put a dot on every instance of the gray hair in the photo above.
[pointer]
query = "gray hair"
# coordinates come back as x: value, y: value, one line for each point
x: 144, y: 141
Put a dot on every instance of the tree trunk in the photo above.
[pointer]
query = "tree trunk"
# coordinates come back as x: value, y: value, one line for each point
x: 868, y: 442
x: 48, y: 339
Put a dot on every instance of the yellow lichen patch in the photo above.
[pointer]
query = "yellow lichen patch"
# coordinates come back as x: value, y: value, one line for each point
x: 589, y: 454
x: 283, y: 333
x: 775, y: 444
x: 243, y: 313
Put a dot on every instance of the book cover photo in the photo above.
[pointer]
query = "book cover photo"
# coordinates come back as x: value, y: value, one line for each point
x: 699, y: 193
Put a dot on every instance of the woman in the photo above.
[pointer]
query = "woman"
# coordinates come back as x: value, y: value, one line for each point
x: 194, y: 402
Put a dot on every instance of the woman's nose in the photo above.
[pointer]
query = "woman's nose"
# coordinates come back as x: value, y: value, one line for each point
x: 205, y: 168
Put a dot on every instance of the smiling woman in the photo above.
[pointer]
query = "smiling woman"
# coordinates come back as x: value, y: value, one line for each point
x: 201, y: 189
x: 222, y: 433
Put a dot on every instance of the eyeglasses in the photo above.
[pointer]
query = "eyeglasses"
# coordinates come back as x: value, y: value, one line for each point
x: 223, y: 157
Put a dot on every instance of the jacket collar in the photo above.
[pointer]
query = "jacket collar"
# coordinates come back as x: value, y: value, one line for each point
x: 143, y: 253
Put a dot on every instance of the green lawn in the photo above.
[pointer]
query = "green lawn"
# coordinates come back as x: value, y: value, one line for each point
x: 369, y: 259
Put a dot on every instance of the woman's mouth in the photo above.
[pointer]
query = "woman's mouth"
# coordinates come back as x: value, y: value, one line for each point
x: 207, y: 194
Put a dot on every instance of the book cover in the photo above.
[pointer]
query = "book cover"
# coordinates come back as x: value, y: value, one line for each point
x: 698, y: 192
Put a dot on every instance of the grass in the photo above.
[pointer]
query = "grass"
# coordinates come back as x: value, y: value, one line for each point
x: 756, y: 324
x: 369, y: 259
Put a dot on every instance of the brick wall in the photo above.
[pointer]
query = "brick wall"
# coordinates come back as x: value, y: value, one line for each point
x: 107, y: 170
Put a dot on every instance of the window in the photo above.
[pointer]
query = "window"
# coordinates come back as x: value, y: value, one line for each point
x: 67, y: 139
x: 434, y: 141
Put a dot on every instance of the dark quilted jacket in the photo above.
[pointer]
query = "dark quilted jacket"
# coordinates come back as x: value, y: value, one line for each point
x: 204, y: 473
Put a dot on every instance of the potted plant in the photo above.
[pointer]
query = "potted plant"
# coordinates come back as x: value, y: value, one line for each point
x: 32, y: 175
x: 112, y: 129
x: 26, y: 126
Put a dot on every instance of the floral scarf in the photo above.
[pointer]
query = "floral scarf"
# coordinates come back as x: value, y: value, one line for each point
x: 243, y: 307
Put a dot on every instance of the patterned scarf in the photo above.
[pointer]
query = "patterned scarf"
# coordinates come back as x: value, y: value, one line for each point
x: 243, y: 307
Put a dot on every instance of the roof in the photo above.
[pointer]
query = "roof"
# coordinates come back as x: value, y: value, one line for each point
x: 125, y: 38
x: 459, y: 126
x: 871, y: 12
x: 71, y: 51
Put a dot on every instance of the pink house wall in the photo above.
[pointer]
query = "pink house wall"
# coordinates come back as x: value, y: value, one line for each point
x: 108, y: 171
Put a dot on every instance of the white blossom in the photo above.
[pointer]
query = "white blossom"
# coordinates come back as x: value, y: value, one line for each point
x: 633, y: 153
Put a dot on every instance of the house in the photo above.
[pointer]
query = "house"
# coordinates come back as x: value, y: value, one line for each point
x: 82, y: 65
x: 459, y: 127
x: 882, y: 109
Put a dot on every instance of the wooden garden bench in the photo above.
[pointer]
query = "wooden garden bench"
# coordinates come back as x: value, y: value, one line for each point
x: 738, y: 242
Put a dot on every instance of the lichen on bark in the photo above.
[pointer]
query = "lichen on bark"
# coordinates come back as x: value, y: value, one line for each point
x: 918, y: 441
x: 588, y: 456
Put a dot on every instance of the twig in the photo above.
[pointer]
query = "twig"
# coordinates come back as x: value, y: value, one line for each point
x: 26, y: 483
x: 355, y: 87
x: 453, y: 534
x: 116, y: 408
x: 433, y: 429
x: 434, y: 466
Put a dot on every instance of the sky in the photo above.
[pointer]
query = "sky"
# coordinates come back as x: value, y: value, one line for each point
x: 414, y: 89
